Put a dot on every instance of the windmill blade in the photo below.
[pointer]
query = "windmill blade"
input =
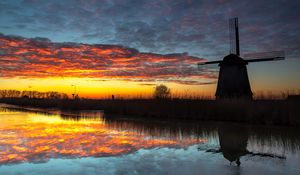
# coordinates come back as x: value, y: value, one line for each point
x: 265, y: 59
x: 209, y: 66
x: 264, y: 56
x: 209, y: 62
x: 234, y: 36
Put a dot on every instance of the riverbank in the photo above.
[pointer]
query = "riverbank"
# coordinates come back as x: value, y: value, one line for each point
x: 265, y: 112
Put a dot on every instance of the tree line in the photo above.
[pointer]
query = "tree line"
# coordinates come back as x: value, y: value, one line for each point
x: 32, y: 94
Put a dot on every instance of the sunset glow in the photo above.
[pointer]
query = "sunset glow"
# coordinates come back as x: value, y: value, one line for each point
x: 97, y: 70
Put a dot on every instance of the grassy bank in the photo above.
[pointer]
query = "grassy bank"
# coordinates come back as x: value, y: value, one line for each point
x: 269, y: 112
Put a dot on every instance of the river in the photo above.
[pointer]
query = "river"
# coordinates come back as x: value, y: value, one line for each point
x: 35, y: 142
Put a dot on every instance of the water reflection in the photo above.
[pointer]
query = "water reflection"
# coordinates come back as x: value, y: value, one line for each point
x: 35, y: 137
x: 66, y: 114
x: 233, y: 141
x: 27, y: 136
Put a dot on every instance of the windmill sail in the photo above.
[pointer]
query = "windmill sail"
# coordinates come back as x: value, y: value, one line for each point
x: 255, y: 57
x: 234, y: 36
x: 209, y: 62
x: 265, y: 56
x: 265, y: 59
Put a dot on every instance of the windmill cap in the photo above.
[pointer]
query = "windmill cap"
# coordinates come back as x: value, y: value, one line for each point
x: 233, y: 59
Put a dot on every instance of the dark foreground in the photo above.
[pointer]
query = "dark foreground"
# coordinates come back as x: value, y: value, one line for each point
x: 266, y: 112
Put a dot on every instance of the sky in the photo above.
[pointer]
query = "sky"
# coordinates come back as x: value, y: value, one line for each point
x: 126, y: 47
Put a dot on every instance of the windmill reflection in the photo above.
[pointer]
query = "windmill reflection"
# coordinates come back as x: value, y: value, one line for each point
x: 233, y: 142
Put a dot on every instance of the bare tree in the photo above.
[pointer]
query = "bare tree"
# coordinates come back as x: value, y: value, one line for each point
x: 162, y: 92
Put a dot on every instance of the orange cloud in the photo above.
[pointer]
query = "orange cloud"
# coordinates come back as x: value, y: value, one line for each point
x: 40, y: 58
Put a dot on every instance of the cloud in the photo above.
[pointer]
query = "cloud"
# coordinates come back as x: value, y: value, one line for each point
x: 199, y: 27
x: 40, y: 58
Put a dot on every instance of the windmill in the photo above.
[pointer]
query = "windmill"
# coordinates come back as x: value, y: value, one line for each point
x: 233, y: 81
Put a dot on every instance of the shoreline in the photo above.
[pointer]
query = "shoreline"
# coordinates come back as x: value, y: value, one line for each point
x: 262, y: 112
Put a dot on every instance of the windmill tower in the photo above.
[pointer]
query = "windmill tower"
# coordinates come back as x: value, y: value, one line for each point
x: 233, y: 81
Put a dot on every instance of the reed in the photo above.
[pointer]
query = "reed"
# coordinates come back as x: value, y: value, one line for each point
x: 266, y: 112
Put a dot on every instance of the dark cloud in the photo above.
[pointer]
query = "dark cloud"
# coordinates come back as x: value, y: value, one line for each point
x: 161, y: 26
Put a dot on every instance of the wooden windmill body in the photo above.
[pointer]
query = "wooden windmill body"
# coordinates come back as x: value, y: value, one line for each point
x: 233, y: 78
x: 233, y: 81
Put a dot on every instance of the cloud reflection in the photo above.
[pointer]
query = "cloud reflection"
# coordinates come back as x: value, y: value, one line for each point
x: 29, y: 137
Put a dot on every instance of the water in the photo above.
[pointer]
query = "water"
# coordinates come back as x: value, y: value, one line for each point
x: 86, y: 142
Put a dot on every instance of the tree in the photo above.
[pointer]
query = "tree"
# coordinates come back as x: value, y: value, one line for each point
x: 162, y: 92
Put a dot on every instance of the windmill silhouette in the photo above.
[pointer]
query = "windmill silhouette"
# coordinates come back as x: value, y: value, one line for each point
x: 233, y: 81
